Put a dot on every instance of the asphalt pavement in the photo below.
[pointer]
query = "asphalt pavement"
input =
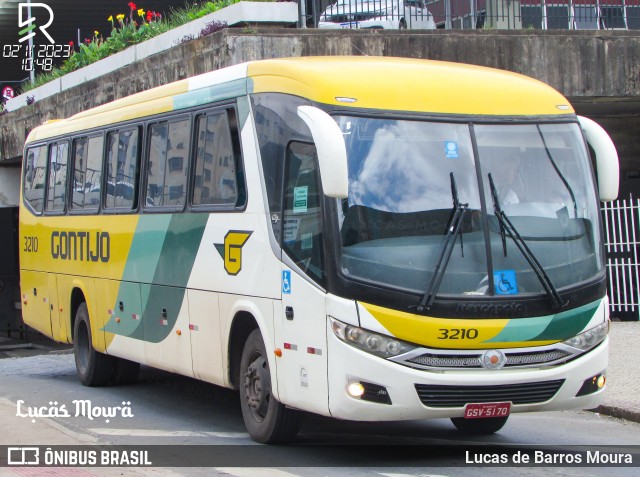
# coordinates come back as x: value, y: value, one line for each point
x: 622, y: 397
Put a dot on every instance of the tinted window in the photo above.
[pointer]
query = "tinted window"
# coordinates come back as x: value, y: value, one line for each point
x: 167, y: 166
x: 87, y: 173
x: 56, y: 192
x: 219, y: 178
x: 122, y: 169
x: 34, y: 177
x: 302, y: 238
x: 277, y: 123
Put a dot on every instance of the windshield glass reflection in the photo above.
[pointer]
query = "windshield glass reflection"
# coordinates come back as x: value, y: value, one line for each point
x: 394, y: 223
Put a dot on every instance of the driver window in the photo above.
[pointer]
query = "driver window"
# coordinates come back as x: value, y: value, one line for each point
x: 302, y: 238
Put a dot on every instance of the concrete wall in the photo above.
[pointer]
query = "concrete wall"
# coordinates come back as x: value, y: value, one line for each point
x: 597, y: 70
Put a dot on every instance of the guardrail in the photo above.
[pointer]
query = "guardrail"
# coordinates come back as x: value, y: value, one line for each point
x: 474, y: 14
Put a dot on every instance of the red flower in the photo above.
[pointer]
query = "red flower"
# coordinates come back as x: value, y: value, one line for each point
x: 132, y: 6
x: 149, y: 15
x: 87, y: 40
x: 71, y: 44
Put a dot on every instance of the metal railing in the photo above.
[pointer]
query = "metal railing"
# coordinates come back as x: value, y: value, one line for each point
x: 622, y: 244
x: 475, y: 14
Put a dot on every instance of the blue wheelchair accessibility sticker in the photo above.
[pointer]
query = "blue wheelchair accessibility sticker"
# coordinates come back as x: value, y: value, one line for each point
x: 286, y: 281
x: 505, y: 282
x: 451, y: 150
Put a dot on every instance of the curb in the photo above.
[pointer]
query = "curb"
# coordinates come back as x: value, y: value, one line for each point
x: 619, y: 412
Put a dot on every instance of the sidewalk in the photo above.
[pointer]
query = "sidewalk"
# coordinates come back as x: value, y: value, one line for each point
x: 622, y: 397
x: 30, y: 344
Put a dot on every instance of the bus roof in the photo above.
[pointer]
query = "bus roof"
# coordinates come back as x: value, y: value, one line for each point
x: 404, y: 84
x: 380, y: 83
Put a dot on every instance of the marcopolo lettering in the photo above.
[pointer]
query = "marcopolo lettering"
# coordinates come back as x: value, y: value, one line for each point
x: 491, y: 309
x: 81, y: 245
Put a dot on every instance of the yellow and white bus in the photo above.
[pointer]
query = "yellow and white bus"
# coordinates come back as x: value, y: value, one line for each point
x: 363, y: 238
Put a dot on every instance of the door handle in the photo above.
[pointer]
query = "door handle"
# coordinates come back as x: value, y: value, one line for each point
x: 288, y: 312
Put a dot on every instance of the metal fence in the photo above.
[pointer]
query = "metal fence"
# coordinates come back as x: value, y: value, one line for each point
x: 622, y: 234
x: 475, y: 14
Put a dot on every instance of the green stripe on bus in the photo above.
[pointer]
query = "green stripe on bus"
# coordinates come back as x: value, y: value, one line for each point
x: 556, y: 327
x: 210, y: 94
x: 163, y: 251
x: 569, y: 323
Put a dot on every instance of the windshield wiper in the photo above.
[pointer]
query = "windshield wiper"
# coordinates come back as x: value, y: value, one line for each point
x: 453, y: 230
x: 506, y: 227
x: 559, y: 173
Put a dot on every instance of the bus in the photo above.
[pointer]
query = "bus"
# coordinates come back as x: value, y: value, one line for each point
x: 364, y: 238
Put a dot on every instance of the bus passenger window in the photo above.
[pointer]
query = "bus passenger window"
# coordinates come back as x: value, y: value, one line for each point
x: 218, y: 169
x: 302, y: 237
x: 57, y: 177
x: 87, y: 172
x: 167, y: 166
x: 34, y: 177
x: 122, y: 169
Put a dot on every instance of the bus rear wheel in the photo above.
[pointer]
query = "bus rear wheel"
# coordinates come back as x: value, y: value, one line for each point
x: 267, y: 420
x: 94, y: 369
x: 477, y: 427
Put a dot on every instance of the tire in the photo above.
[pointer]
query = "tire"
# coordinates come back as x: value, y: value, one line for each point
x: 125, y: 371
x: 478, y: 427
x: 94, y: 369
x: 267, y: 420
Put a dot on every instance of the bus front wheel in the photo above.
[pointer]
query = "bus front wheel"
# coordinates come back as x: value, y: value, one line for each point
x: 94, y: 369
x: 483, y: 426
x: 267, y: 420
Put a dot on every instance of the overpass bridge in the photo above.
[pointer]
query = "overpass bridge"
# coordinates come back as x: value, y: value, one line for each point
x: 597, y: 70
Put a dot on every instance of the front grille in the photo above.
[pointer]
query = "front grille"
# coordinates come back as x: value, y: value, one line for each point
x: 447, y: 361
x: 473, y: 359
x: 523, y: 359
x: 459, y: 396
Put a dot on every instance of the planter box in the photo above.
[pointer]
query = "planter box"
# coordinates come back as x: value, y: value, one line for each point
x: 270, y: 13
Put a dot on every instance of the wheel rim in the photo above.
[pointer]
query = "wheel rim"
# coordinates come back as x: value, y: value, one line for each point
x: 257, y: 386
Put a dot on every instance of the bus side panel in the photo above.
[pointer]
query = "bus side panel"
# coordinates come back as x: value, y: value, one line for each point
x: 119, y: 313
x: 206, y: 341
x: 61, y: 315
x: 164, y: 306
x: 302, y: 369
x: 36, y: 311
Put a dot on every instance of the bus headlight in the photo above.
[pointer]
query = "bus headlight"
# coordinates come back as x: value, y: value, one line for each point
x: 374, y: 343
x: 590, y: 338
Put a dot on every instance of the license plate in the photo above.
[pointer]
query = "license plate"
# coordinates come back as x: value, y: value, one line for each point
x: 488, y: 409
x: 349, y: 25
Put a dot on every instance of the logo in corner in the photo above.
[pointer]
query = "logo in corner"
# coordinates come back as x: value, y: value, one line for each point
x: 29, y: 22
x: 231, y: 250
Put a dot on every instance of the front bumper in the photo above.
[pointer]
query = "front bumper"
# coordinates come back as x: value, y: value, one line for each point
x: 348, y: 365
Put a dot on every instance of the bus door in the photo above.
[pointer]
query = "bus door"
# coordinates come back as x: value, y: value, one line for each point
x: 302, y: 372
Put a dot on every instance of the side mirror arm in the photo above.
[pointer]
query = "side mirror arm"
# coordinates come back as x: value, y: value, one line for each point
x: 607, y: 163
x: 332, y: 152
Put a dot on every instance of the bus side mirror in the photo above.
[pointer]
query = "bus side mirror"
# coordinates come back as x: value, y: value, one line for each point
x: 606, y: 158
x: 332, y: 152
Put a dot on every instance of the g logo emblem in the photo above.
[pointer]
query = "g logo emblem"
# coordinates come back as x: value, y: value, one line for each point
x: 231, y: 250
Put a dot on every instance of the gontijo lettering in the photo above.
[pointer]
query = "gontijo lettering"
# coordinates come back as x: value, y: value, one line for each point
x: 81, y: 245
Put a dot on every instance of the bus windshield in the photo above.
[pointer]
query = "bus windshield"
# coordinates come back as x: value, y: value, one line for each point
x: 407, y: 179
